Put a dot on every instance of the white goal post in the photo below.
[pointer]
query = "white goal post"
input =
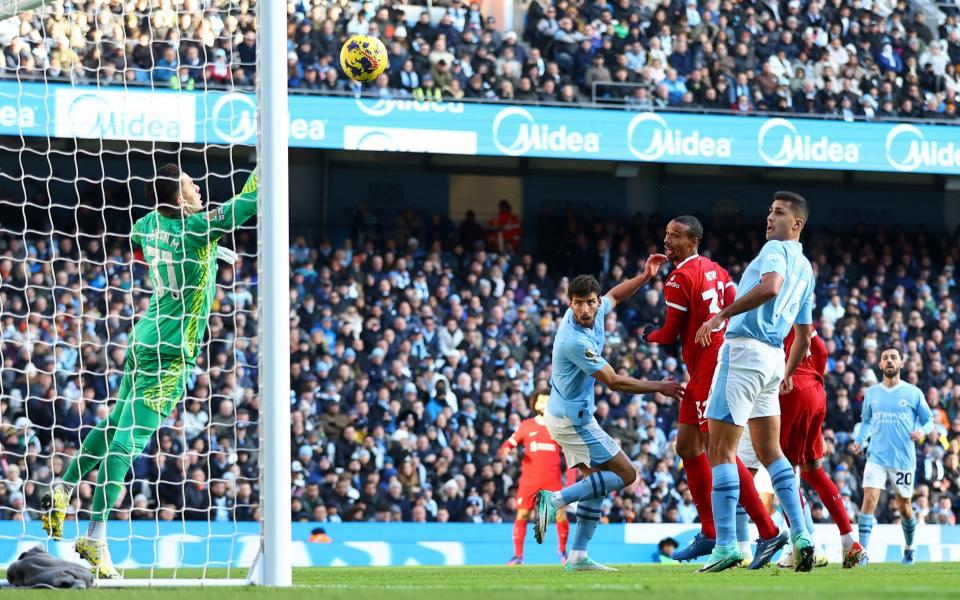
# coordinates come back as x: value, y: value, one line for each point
x: 71, y: 158
x: 274, y: 261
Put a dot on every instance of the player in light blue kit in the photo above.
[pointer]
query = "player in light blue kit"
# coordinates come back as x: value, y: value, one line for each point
x: 895, y: 417
x: 578, y: 364
x: 775, y: 293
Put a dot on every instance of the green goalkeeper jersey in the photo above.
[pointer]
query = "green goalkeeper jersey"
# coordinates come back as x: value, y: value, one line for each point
x: 181, y: 253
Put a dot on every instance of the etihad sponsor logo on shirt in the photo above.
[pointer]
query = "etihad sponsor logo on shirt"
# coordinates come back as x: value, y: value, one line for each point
x: 650, y: 138
x: 907, y: 149
x: 516, y: 132
x: 780, y: 144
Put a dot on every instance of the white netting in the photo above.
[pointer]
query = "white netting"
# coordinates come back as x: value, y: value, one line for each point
x: 95, y: 95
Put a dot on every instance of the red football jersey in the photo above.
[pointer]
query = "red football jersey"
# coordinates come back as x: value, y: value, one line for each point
x: 694, y: 292
x: 541, y: 456
x: 810, y: 370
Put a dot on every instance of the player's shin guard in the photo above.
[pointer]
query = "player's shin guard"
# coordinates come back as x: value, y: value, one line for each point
x: 865, y: 526
x: 751, y: 502
x: 588, y: 516
x: 785, y: 485
x: 519, y: 534
x: 726, y: 492
x: 830, y: 496
x: 909, y: 528
x: 563, y: 532
x: 700, y: 480
x: 595, y: 485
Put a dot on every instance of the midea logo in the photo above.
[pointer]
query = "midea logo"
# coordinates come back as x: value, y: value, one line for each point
x: 516, y: 132
x: 779, y: 144
x: 907, y: 150
x: 649, y: 138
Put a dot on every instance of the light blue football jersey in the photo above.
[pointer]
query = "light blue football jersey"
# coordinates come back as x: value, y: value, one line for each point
x: 771, y: 322
x: 577, y: 354
x: 887, y: 418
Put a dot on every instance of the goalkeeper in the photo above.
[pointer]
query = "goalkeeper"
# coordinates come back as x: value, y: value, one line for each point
x: 179, y: 244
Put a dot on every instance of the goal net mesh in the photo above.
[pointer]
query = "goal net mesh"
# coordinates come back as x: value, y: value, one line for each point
x: 95, y: 97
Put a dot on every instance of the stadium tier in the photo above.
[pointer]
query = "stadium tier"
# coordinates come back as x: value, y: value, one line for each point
x: 372, y: 439
x: 838, y: 59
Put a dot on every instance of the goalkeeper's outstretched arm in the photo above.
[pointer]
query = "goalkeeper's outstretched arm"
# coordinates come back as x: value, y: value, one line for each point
x: 203, y: 228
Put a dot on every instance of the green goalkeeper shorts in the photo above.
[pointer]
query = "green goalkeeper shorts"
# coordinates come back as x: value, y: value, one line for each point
x: 156, y: 380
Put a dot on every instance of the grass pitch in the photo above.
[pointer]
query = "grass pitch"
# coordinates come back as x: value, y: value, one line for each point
x: 874, y: 582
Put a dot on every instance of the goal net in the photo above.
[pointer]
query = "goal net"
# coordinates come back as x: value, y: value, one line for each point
x: 96, y: 96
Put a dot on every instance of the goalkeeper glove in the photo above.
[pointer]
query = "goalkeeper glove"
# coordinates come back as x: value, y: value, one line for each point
x: 227, y: 255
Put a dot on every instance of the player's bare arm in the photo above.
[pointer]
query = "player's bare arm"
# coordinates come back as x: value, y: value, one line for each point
x: 801, y: 344
x: 622, y: 383
x: 625, y: 290
x: 766, y: 290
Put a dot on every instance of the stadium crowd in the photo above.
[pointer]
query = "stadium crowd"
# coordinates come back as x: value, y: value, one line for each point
x: 416, y: 347
x: 842, y: 58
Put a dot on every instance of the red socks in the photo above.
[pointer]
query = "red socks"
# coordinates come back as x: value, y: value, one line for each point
x: 563, y: 532
x: 750, y: 500
x: 519, y: 533
x: 700, y: 480
x: 830, y: 496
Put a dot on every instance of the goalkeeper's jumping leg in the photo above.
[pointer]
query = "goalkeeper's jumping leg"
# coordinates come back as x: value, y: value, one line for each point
x: 138, y: 423
x: 92, y: 452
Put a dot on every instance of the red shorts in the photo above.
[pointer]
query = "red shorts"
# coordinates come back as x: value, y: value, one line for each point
x: 801, y: 421
x: 528, y: 489
x: 693, y: 407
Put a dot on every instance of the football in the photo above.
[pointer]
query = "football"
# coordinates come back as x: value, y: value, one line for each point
x: 363, y: 58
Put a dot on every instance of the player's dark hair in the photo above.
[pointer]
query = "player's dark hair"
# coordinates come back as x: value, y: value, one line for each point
x: 583, y: 286
x: 694, y: 227
x: 532, y: 403
x: 894, y: 348
x: 163, y: 190
x: 797, y: 203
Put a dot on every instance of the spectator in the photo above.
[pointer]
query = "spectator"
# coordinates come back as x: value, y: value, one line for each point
x: 504, y: 230
x: 165, y: 70
x: 219, y: 71
x: 731, y: 51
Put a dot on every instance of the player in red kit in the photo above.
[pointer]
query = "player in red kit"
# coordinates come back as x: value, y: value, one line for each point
x: 695, y: 291
x: 803, y: 407
x: 540, y: 470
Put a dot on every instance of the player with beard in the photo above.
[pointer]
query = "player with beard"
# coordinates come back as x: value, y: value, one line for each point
x: 578, y: 364
x: 695, y: 291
